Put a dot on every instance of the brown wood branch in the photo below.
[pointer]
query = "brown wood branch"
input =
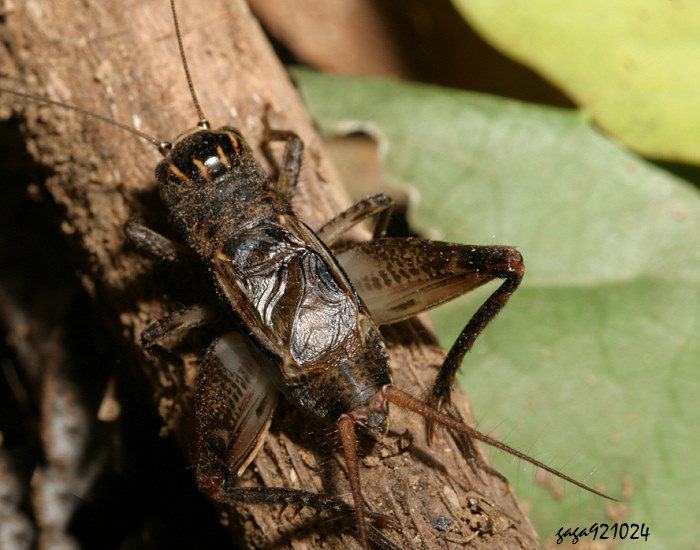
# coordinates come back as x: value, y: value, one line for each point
x: 120, y: 59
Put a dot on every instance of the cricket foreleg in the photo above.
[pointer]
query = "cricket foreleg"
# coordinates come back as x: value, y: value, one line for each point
x: 288, y: 176
x: 497, y: 263
x: 155, y: 244
x: 288, y: 171
x: 379, y: 205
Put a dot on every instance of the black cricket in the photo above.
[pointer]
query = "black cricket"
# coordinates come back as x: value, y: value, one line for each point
x: 308, y: 311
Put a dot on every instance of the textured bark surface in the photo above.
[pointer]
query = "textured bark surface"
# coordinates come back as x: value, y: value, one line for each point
x: 120, y: 59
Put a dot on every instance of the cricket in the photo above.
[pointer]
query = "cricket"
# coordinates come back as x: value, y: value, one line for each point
x: 308, y: 306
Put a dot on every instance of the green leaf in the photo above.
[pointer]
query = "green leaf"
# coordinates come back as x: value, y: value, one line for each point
x: 632, y: 64
x: 593, y: 365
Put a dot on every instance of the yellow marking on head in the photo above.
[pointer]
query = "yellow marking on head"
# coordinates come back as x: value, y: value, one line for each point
x: 222, y: 157
x: 202, y: 169
x: 235, y: 142
x: 175, y: 171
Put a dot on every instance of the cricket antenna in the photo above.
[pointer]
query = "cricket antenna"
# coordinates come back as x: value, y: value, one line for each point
x: 402, y: 399
x: 203, y: 122
x: 163, y: 146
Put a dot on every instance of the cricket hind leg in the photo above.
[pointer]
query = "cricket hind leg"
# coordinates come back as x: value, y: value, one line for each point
x: 233, y: 399
x: 501, y: 263
x: 320, y: 502
x: 234, y: 405
x: 218, y: 483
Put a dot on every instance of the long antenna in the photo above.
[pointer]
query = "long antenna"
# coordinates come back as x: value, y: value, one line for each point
x: 162, y: 145
x: 402, y: 399
x: 203, y: 122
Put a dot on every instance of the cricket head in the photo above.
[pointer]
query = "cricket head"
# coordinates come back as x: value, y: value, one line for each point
x: 199, y: 158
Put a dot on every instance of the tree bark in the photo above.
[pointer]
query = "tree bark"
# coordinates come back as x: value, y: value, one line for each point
x: 120, y: 59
